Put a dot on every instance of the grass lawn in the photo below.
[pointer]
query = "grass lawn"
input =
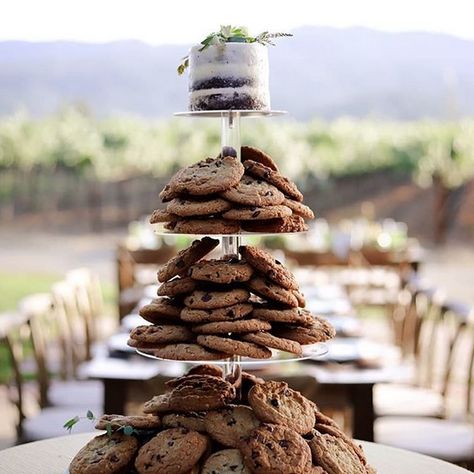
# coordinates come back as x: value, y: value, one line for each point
x: 14, y: 286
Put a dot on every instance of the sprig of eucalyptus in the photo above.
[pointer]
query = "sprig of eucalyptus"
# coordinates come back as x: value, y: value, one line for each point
x: 233, y: 34
x: 69, y: 425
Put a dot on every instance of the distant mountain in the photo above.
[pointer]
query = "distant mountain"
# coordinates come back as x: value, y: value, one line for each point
x: 321, y: 72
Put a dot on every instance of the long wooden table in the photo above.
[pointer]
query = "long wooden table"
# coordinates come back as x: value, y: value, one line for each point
x: 53, y: 456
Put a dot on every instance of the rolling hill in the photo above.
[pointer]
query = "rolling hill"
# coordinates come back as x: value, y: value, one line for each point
x: 321, y: 72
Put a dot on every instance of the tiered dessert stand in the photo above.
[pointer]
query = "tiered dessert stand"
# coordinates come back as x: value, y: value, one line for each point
x: 230, y: 145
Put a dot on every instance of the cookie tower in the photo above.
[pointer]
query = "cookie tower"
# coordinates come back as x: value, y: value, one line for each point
x: 242, y: 306
x: 245, y: 303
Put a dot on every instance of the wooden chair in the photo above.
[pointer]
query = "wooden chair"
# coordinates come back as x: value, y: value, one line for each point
x: 447, y: 439
x: 89, y: 302
x: 37, y: 309
x: 72, y: 326
x: 12, y: 334
x: 425, y: 394
x: 48, y: 422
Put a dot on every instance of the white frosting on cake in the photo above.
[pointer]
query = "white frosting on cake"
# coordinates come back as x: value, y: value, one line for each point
x: 234, y: 70
x: 229, y: 76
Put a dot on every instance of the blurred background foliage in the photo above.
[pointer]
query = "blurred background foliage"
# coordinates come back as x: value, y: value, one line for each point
x: 111, y: 149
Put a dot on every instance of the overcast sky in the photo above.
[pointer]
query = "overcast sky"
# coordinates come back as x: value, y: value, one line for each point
x: 186, y: 21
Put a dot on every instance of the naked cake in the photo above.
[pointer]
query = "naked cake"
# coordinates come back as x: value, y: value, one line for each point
x: 229, y: 76
x: 229, y: 70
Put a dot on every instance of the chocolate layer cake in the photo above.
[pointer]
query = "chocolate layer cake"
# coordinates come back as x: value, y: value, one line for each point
x: 229, y: 76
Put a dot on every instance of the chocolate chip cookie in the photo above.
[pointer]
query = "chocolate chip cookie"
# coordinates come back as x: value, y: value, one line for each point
x: 185, y: 207
x: 138, y: 422
x: 234, y: 347
x: 105, y: 454
x: 174, y: 451
x: 226, y: 461
x: 167, y: 194
x: 161, y: 215
x: 275, y: 402
x: 280, y: 225
x: 140, y: 345
x: 206, y: 369
x: 269, y: 266
x: 186, y: 257
x: 191, y: 420
x: 254, y: 192
x: 333, y: 454
x: 212, y: 225
x: 160, y: 310
x: 298, y: 208
x: 186, y: 351
x: 267, y: 289
x: 319, y: 331
x: 177, y: 286
x: 229, y: 313
x: 200, y: 299
x: 300, y: 297
x: 257, y: 213
x: 230, y: 424
x: 193, y: 393
x: 260, y: 171
x: 333, y: 430
x: 278, y: 314
x: 161, y: 334
x: 274, y: 449
x: 225, y: 327
x: 209, y: 176
x: 254, y: 154
x: 269, y: 340
x: 229, y: 270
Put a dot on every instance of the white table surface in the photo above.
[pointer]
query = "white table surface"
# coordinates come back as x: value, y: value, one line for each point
x: 53, y: 456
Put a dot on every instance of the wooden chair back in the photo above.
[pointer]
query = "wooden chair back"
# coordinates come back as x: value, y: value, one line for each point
x: 16, y: 338
x: 400, y: 322
x: 431, y: 351
x: 72, y: 324
x: 89, y: 302
x: 466, y: 351
x: 462, y: 337
x: 37, y: 310
x: 91, y: 282
x: 438, y: 336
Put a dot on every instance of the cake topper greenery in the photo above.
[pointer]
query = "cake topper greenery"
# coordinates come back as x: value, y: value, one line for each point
x: 233, y: 34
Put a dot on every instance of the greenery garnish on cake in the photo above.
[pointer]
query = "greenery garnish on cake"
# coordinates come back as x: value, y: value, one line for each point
x: 233, y: 34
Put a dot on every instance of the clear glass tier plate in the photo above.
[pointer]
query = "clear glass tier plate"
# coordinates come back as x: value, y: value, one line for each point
x: 312, y: 351
x: 224, y: 113
x: 159, y: 229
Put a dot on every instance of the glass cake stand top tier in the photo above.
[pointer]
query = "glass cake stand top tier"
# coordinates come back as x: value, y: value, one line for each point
x: 227, y: 113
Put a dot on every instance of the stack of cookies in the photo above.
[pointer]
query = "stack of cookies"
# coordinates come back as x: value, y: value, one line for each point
x: 204, y: 424
x: 224, y: 196
x: 211, y: 309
